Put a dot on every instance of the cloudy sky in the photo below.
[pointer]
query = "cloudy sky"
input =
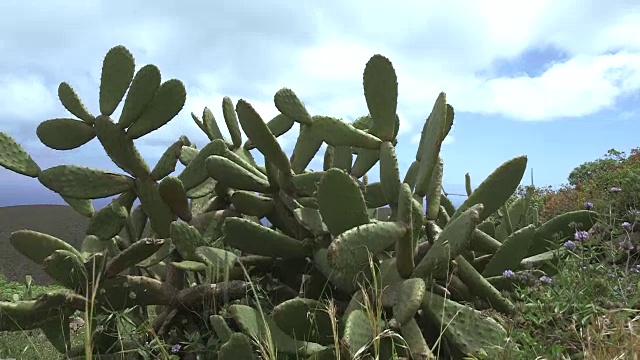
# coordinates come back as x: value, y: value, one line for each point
x: 558, y: 81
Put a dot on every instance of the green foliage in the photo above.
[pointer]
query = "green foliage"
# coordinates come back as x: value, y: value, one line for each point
x: 592, y: 170
x: 209, y: 247
x: 588, y: 307
x: 594, y: 181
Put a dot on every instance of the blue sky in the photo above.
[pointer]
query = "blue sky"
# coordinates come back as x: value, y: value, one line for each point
x: 557, y: 81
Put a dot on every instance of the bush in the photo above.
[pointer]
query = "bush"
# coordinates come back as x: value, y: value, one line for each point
x: 610, y: 185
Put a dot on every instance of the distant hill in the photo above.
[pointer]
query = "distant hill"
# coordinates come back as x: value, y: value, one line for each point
x: 55, y: 219
x: 29, y: 191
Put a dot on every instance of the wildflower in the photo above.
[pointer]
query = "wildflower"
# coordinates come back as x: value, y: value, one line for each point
x: 615, y: 190
x: 636, y: 269
x: 581, y: 235
x: 509, y: 274
x: 626, y: 226
x: 626, y: 244
x: 175, y: 348
x: 588, y: 205
x: 546, y: 280
x: 570, y: 245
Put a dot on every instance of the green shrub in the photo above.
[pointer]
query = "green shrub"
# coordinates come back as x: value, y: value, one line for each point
x: 610, y: 185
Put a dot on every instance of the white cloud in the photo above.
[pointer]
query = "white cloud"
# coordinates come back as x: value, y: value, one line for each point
x: 25, y: 97
x: 320, y: 49
x: 580, y: 86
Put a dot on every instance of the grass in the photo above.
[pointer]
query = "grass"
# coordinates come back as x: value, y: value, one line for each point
x: 29, y: 344
x: 589, y: 310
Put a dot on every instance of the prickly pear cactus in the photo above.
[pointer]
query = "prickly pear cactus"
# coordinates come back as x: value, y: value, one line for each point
x: 335, y: 276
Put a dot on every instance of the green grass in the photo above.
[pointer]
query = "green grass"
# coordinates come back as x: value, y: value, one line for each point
x: 590, y: 308
x: 29, y: 344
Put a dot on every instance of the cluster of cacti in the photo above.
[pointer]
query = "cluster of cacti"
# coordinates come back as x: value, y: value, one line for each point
x: 517, y: 223
x: 433, y: 264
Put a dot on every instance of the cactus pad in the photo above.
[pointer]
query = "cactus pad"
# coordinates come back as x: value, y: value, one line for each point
x: 64, y: 134
x: 15, y: 158
x: 117, y: 72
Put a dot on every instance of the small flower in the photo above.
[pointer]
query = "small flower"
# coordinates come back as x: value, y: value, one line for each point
x: 546, y: 280
x: 570, y: 245
x: 509, y: 274
x: 626, y: 226
x: 615, y: 190
x: 588, y: 205
x: 627, y: 245
x: 581, y: 235
x: 175, y: 348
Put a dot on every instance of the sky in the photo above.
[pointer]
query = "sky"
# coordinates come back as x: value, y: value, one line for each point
x: 556, y: 81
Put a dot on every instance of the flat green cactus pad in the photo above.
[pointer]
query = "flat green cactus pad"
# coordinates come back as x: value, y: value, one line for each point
x: 256, y: 326
x: 15, y: 158
x: 471, y: 332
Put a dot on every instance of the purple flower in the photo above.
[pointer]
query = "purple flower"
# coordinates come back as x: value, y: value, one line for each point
x: 588, y: 205
x: 570, y: 245
x: 626, y: 244
x: 175, y: 348
x: 626, y: 226
x: 546, y: 280
x: 509, y: 274
x: 615, y: 190
x: 581, y: 235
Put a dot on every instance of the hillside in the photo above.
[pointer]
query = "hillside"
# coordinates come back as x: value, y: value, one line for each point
x: 57, y: 220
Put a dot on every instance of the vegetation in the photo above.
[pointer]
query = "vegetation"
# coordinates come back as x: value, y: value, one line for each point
x: 610, y: 184
x: 503, y: 276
